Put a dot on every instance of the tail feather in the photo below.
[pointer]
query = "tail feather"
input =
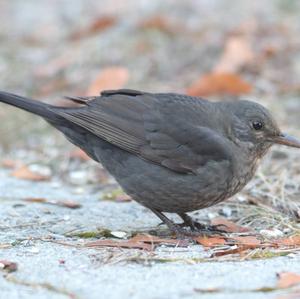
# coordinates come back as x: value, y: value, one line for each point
x: 35, y: 107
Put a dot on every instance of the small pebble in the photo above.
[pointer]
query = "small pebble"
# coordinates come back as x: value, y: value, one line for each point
x: 271, y: 233
x: 78, y: 177
x: 118, y: 234
x: 40, y: 169
x: 33, y: 250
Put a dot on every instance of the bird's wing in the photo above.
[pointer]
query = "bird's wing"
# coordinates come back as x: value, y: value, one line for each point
x: 162, y: 128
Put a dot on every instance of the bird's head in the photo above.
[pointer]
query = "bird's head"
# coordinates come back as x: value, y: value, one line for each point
x: 254, y: 125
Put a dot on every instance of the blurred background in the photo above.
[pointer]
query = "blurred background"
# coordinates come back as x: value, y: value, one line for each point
x: 218, y: 49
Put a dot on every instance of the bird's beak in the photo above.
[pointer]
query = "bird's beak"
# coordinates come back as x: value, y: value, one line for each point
x: 287, y: 140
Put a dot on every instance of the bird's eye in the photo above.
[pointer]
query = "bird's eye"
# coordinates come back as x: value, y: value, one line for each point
x: 257, y: 125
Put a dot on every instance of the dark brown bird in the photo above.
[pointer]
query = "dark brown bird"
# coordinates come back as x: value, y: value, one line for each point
x: 170, y: 152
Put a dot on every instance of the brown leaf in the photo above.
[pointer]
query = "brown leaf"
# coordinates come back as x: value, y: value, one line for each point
x: 96, y: 26
x: 36, y: 200
x: 109, y: 78
x: 8, y: 266
x: 9, y: 163
x: 219, y: 83
x: 291, y: 241
x: 210, y: 241
x: 237, y: 54
x: 159, y: 23
x: 229, y: 226
x: 63, y: 203
x: 156, y: 240
x: 287, y: 280
x: 25, y: 173
x: 79, y: 154
x: 238, y: 249
x: 122, y: 244
x: 68, y: 204
x: 140, y: 241
x: 122, y: 198
x: 248, y: 242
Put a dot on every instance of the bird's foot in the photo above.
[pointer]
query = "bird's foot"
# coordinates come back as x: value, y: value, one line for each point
x: 196, y: 229
x: 200, y: 227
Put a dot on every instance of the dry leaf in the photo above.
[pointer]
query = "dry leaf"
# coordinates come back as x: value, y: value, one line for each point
x: 8, y: 266
x: 156, y: 240
x: 68, y: 204
x: 25, y: 173
x: 237, y: 54
x: 109, y: 78
x: 97, y: 26
x: 219, y: 83
x: 229, y: 226
x: 291, y: 241
x: 9, y: 163
x: 122, y: 244
x: 210, y: 241
x: 36, y: 200
x: 63, y: 203
x: 122, y: 198
x: 158, y: 23
x: 141, y: 241
x: 79, y: 154
x: 235, y: 250
x: 287, y: 280
x: 248, y: 242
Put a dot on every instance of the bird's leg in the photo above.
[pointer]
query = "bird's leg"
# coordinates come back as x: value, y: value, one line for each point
x: 175, y: 228
x: 197, y: 226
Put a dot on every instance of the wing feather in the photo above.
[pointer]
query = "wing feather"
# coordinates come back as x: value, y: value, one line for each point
x: 148, y: 126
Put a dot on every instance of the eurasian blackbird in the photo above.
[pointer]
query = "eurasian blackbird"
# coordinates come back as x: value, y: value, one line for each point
x: 170, y: 152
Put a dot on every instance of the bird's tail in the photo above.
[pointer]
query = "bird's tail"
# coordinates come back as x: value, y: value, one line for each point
x: 35, y: 107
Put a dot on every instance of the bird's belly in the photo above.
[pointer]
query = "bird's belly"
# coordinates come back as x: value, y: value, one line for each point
x: 157, y: 187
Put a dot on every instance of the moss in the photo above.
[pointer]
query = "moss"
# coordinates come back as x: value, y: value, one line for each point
x: 106, y: 233
x: 113, y: 195
x: 267, y: 254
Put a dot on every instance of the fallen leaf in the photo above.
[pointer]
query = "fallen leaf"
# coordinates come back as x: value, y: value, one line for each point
x: 229, y: 226
x: 140, y: 241
x: 122, y: 244
x: 36, y: 200
x: 248, y: 242
x: 159, y: 23
x: 235, y: 250
x: 9, y: 163
x: 25, y: 173
x: 156, y: 240
x: 79, y: 154
x: 219, y: 83
x: 287, y: 280
x: 210, y: 241
x: 237, y: 54
x: 68, y: 204
x: 96, y: 26
x: 8, y: 266
x: 291, y: 241
x: 63, y: 203
x: 109, y: 78
x: 117, y: 195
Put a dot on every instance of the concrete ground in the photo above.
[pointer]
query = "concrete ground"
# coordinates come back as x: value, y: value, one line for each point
x: 51, y: 264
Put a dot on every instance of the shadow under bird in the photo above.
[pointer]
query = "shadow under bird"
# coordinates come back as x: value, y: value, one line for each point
x: 170, y: 152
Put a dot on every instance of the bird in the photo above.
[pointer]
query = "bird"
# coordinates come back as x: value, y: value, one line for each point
x: 171, y: 153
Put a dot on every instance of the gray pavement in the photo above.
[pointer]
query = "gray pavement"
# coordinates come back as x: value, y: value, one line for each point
x: 51, y: 264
